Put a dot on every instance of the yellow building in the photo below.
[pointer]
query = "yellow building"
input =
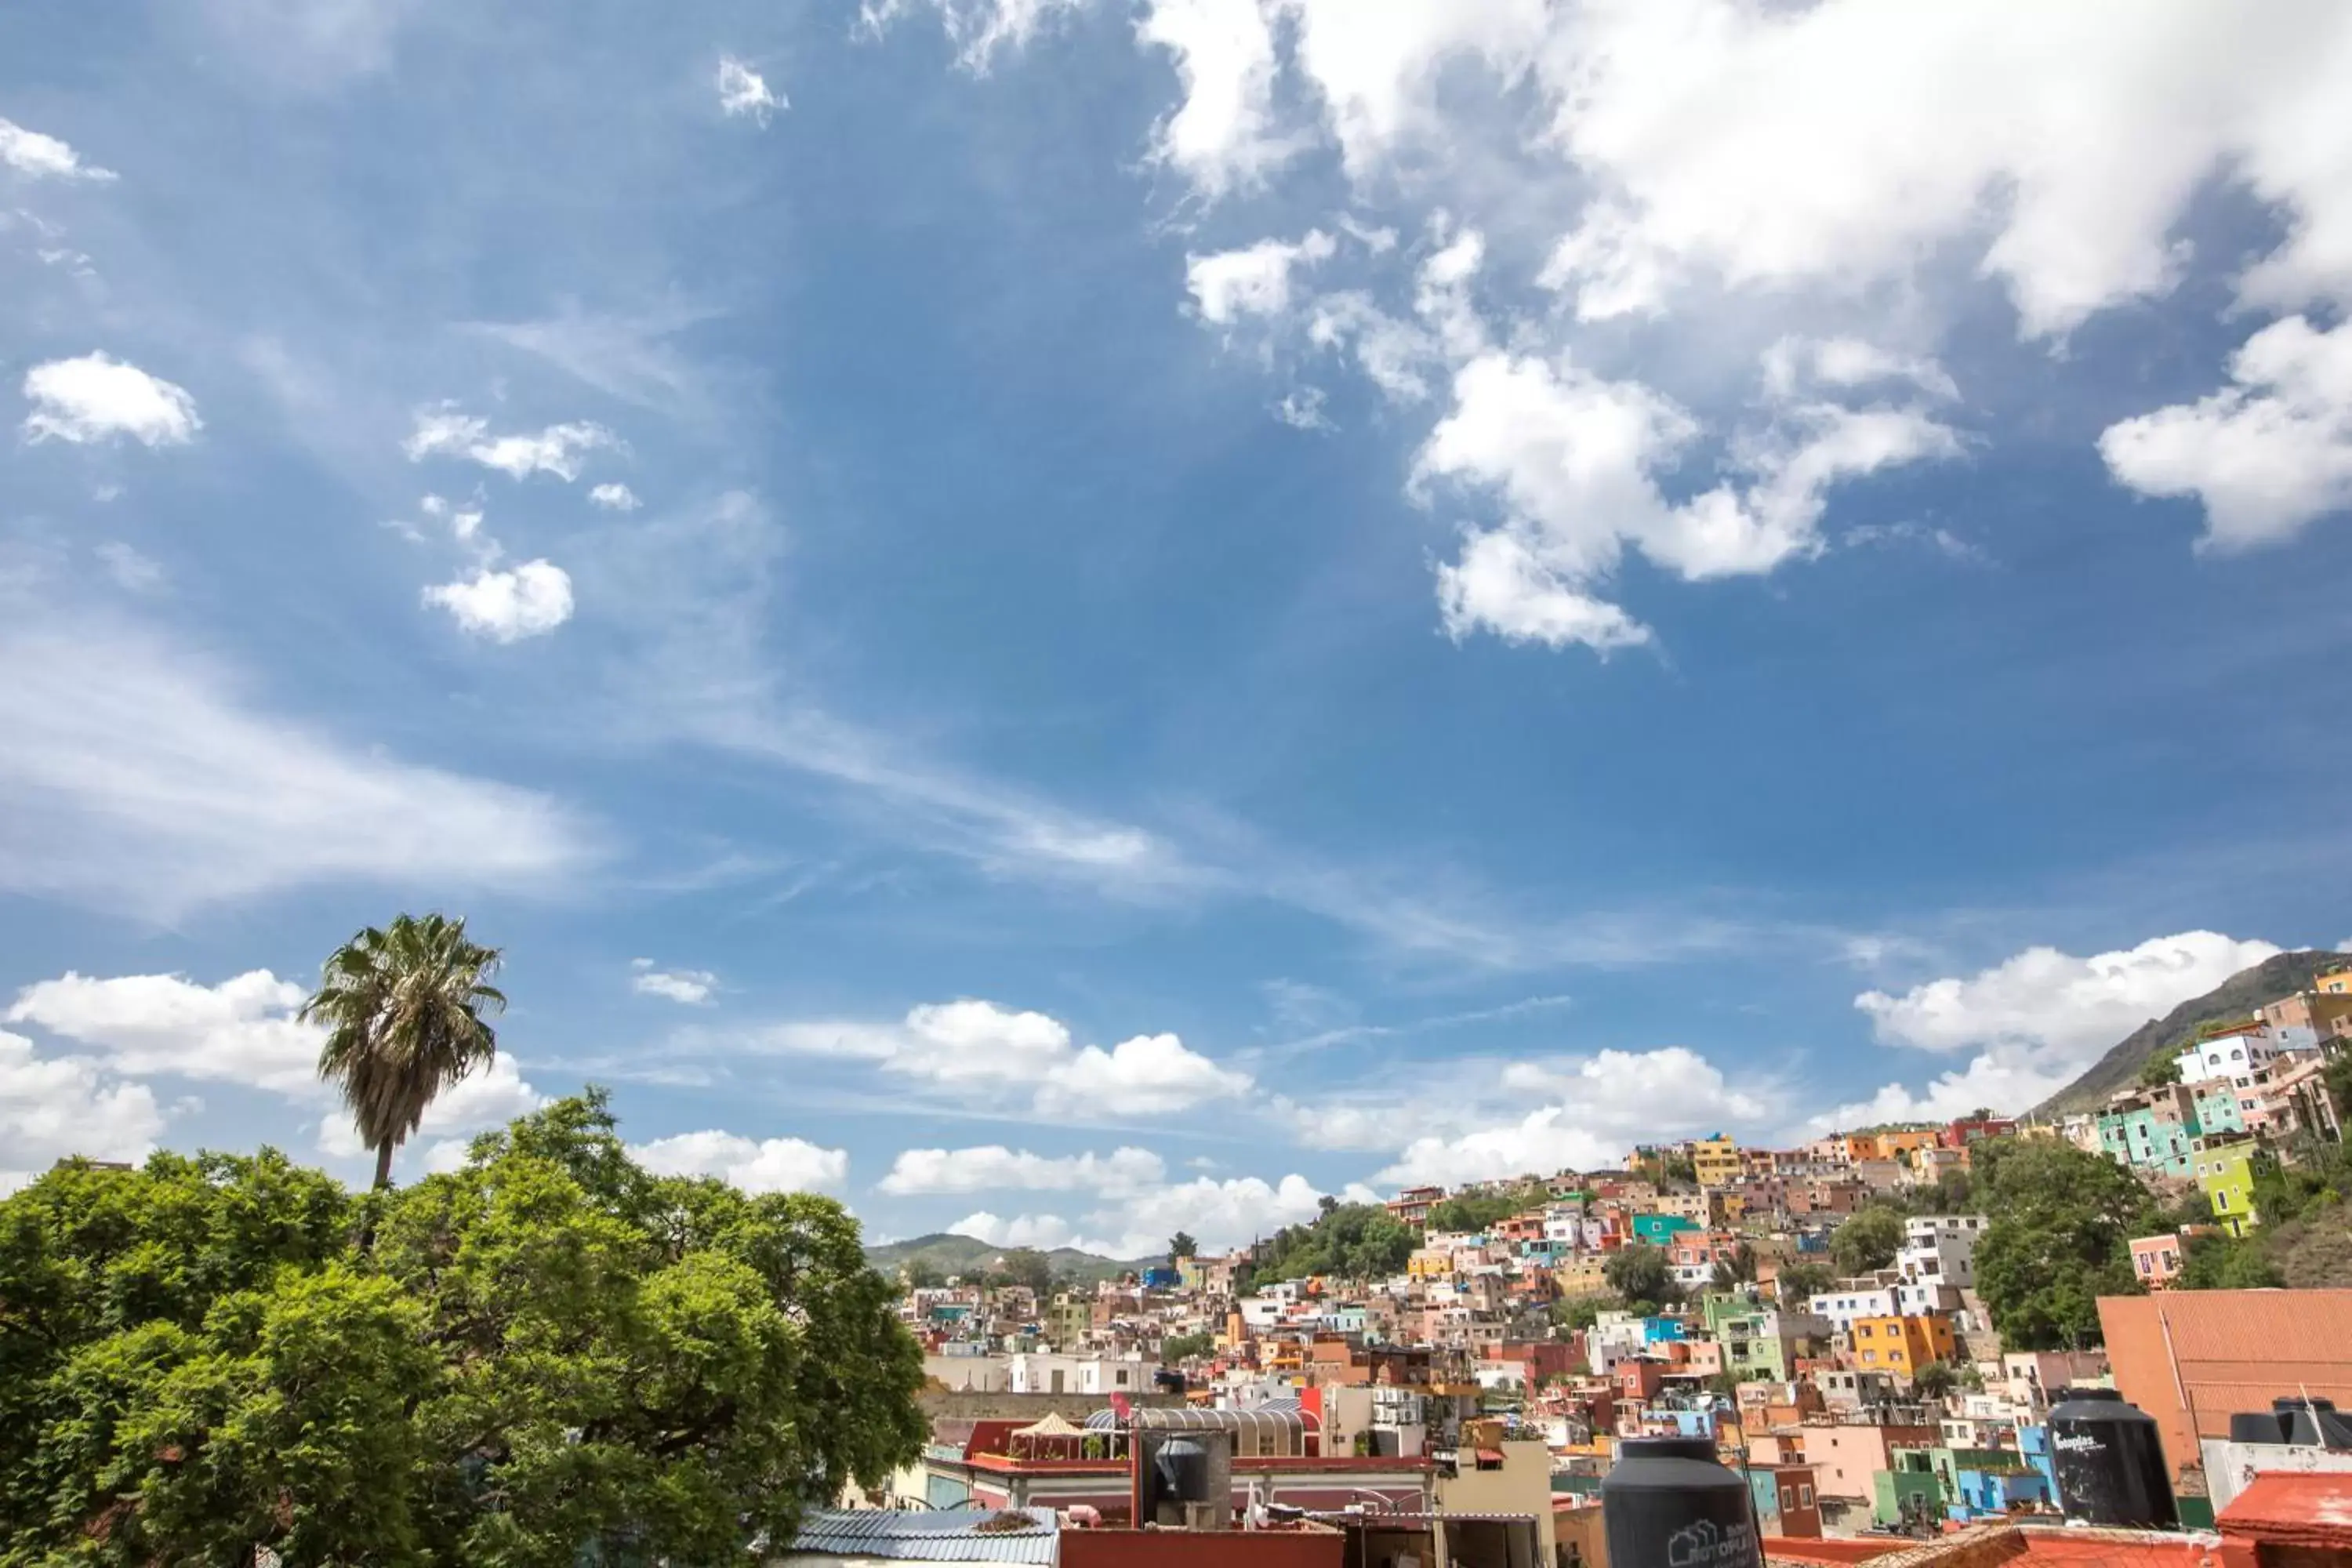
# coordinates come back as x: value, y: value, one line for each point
x: 2336, y: 983
x: 1716, y: 1161
x: 1896, y: 1142
x: 1902, y: 1345
x: 1430, y: 1263
x: 1586, y: 1275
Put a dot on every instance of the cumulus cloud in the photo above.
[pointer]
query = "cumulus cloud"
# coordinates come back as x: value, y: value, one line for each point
x: 44, y: 157
x: 971, y: 1045
x: 993, y: 1167
x: 615, y: 496
x: 138, y: 776
x: 1217, y: 1213
x: 744, y: 93
x: 1600, y: 1106
x: 767, y: 1165
x: 1221, y: 137
x: 691, y: 986
x: 2036, y: 1020
x: 57, y: 1107
x: 510, y: 604
x: 1255, y: 281
x: 97, y: 397
x: 1574, y: 459
x: 559, y: 449
x: 241, y: 1031
x: 133, y: 570
x: 2265, y: 456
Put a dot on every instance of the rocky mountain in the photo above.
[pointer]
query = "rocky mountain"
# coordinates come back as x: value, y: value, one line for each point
x: 965, y: 1255
x: 2233, y: 998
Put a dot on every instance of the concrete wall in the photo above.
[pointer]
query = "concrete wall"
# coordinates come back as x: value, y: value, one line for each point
x: 958, y: 1405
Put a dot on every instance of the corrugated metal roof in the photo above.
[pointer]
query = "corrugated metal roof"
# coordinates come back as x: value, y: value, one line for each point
x: 915, y: 1536
x: 1187, y: 1418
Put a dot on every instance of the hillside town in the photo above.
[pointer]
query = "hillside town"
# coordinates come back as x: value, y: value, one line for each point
x: 1845, y: 1323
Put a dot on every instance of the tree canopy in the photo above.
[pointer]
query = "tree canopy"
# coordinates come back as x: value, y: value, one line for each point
x: 1027, y: 1266
x: 547, y: 1357
x: 1476, y: 1211
x: 1351, y: 1241
x: 1794, y: 1284
x: 1181, y: 1245
x: 1639, y: 1272
x: 2058, y: 1239
x: 1868, y: 1240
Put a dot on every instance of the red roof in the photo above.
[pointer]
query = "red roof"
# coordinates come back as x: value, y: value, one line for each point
x: 2285, y: 1510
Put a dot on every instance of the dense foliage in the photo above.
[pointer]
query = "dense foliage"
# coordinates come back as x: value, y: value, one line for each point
x: 1476, y: 1211
x: 1867, y: 1240
x: 1349, y: 1241
x: 2062, y: 1221
x: 1639, y: 1273
x: 547, y: 1357
x: 1184, y: 1347
x: 1794, y: 1284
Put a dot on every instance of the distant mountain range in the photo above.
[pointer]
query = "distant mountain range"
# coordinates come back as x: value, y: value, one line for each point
x: 968, y: 1255
x: 2236, y: 997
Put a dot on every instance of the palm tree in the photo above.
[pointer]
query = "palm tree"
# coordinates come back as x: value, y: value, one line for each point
x: 402, y: 1008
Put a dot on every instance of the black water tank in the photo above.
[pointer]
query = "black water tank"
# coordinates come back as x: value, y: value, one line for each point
x: 2110, y: 1461
x: 1668, y: 1504
x: 1183, y: 1467
x: 2312, y: 1423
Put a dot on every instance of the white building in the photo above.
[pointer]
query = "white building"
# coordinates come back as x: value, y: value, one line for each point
x: 1844, y: 1304
x: 2239, y: 1055
x: 1940, y: 1249
x: 1097, y: 1374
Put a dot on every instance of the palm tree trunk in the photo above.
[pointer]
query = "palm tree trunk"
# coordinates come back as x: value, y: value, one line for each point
x: 384, y: 1164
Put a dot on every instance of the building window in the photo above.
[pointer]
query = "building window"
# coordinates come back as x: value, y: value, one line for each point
x: 1805, y: 1495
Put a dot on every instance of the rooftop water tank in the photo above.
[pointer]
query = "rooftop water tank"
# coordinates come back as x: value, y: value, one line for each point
x: 2110, y: 1461
x: 1667, y: 1503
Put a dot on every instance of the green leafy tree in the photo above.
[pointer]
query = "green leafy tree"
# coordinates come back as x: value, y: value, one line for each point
x: 2058, y: 1240
x: 1352, y: 1241
x: 1181, y: 1245
x: 1934, y: 1380
x: 1027, y: 1266
x: 2158, y: 1070
x: 2227, y: 1263
x: 920, y: 1274
x: 2338, y: 1076
x: 1868, y: 1240
x: 402, y: 1009
x: 1736, y: 1269
x: 1794, y: 1284
x: 1639, y: 1272
x: 1185, y: 1347
x: 548, y: 1357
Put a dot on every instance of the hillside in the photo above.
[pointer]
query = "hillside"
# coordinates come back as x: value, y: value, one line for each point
x: 2233, y: 998
x: 957, y: 1254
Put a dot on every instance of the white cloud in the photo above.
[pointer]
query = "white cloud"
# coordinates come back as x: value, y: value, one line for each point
x: 44, y: 157
x: 615, y: 496
x: 1146, y: 1076
x: 1796, y: 365
x: 97, y: 396
x: 1573, y: 458
x: 2038, y: 1019
x: 558, y: 449
x: 55, y: 1107
x: 977, y: 1047
x: 993, y: 1167
x: 769, y: 1165
x: 241, y: 1031
x: 1220, y: 138
x: 2265, y: 456
x: 1217, y: 1213
x: 507, y: 606
x: 1254, y: 280
x: 690, y: 986
x: 745, y: 92
x: 1302, y: 409
x: 977, y: 28
x: 1602, y: 1105
x: 131, y: 570
x: 136, y: 776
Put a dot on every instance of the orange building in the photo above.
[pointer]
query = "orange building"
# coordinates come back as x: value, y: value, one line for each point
x: 2193, y: 1358
x: 1902, y: 1345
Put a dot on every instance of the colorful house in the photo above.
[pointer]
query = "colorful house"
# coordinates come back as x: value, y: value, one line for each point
x: 2226, y: 1172
x: 1716, y: 1161
x: 1660, y: 1229
x: 2156, y: 1260
x: 1902, y: 1344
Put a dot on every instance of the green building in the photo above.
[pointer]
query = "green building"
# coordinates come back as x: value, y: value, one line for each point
x: 1908, y: 1493
x: 2218, y: 1111
x: 2226, y: 1172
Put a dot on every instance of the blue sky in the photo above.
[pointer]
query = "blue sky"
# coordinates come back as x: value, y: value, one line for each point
x: 1072, y: 618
